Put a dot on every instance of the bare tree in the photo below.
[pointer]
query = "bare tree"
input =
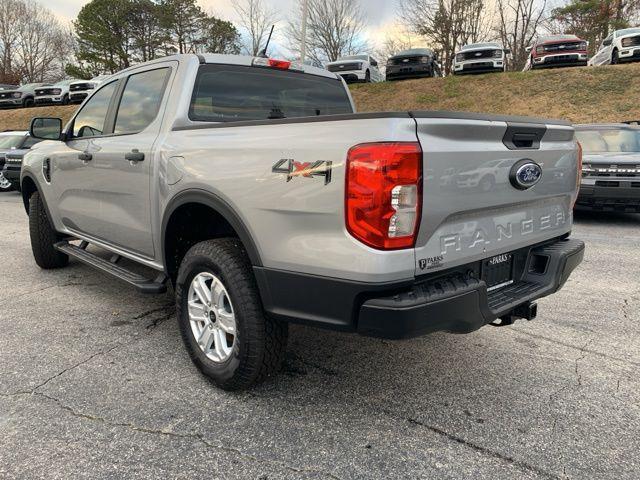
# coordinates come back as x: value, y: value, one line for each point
x: 518, y: 24
x: 11, y: 14
x: 334, y: 29
x: 256, y: 19
x: 448, y: 24
x: 39, y: 51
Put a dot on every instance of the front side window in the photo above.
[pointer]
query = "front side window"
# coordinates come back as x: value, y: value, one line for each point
x: 90, y: 122
x: 224, y: 93
x: 141, y: 101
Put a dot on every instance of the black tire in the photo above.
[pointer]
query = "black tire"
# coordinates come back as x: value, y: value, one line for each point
x: 367, y: 77
x: 65, y: 100
x: 28, y: 103
x: 615, y: 59
x: 43, y: 236
x: 260, y: 343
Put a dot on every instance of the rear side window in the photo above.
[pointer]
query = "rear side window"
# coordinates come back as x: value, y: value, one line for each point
x: 141, y: 101
x: 91, y: 120
x: 232, y: 94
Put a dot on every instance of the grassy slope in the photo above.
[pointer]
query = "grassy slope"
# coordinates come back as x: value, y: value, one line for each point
x: 580, y: 95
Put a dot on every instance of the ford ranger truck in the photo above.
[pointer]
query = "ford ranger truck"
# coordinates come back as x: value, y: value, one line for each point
x: 252, y: 187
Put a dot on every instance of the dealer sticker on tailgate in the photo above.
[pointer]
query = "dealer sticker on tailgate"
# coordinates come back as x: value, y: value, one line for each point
x: 497, y: 272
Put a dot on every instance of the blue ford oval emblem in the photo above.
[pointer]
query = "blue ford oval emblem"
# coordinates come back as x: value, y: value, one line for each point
x: 525, y: 174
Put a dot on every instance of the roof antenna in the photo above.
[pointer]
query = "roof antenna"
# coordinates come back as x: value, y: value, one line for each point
x: 263, y: 52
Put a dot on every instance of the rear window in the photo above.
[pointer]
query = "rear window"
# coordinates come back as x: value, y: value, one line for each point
x: 233, y: 94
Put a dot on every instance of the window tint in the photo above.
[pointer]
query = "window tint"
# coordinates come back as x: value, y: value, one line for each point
x: 140, y: 101
x: 232, y: 94
x: 91, y: 119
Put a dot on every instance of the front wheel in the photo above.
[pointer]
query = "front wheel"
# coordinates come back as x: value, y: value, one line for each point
x: 43, y: 236
x: 221, y: 319
x: 615, y: 59
x: 28, y: 103
x: 367, y: 77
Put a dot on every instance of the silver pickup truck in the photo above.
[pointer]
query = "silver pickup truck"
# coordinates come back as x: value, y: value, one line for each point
x: 252, y: 187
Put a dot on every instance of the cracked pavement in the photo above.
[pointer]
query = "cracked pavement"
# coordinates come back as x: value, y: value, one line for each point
x: 95, y: 383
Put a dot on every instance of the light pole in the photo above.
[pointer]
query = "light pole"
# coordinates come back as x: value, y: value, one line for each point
x: 305, y: 15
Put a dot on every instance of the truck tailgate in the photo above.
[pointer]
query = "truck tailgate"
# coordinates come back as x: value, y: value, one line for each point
x: 473, y: 208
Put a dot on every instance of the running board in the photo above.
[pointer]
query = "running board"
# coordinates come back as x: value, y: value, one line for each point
x: 110, y: 267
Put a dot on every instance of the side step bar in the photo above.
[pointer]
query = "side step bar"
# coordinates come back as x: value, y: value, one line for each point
x: 110, y: 267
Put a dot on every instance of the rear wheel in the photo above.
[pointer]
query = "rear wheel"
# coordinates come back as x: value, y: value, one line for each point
x: 221, y: 319
x: 43, y: 236
x: 5, y: 185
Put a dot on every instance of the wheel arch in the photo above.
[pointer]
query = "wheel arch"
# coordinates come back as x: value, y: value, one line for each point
x: 28, y: 186
x: 229, y: 222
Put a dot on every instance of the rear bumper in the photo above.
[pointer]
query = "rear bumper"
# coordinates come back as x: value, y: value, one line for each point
x: 446, y: 301
x: 77, y: 97
x: 49, y: 100
x: 621, y: 196
x: 470, y: 68
x: 561, y: 60
x: 403, y: 72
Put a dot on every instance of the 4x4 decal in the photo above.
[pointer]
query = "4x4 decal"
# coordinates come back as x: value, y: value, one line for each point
x: 303, y: 169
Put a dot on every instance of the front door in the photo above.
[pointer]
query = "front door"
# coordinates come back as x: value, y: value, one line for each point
x: 108, y: 175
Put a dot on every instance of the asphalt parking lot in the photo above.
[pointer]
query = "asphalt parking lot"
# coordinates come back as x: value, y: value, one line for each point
x: 95, y: 383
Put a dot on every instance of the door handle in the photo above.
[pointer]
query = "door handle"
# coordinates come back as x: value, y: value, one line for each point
x: 85, y: 156
x: 134, y: 156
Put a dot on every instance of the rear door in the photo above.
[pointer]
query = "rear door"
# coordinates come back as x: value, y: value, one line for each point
x: 473, y: 208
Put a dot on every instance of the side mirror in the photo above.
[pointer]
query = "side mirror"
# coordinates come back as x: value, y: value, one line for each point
x: 607, y: 43
x: 528, y: 49
x: 46, y: 128
x: 374, y: 63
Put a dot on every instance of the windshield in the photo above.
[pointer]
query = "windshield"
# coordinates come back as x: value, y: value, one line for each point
x: 627, y: 31
x: 609, y: 140
x: 354, y: 57
x: 10, y: 141
x: 65, y: 82
x: 555, y: 38
x: 416, y: 51
x: 226, y: 93
x: 481, y: 45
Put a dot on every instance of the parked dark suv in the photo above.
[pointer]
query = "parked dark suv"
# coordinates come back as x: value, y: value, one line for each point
x: 415, y: 63
x: 611, y: 167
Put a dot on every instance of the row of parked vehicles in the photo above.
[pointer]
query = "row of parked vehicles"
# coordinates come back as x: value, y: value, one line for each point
x: 550, y: 51
x: 60, y: 93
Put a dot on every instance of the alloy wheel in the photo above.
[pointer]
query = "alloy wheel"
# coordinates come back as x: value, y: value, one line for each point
x: 212, y: 318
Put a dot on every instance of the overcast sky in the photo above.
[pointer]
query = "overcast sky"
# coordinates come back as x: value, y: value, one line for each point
x: 380, y: 13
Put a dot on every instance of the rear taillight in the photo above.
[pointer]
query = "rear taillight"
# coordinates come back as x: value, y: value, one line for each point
x: 579, y: 174
x: 383, y: 196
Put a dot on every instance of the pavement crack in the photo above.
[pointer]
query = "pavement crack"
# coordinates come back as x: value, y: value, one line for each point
x: 178, y: 435
x: 478, y: 448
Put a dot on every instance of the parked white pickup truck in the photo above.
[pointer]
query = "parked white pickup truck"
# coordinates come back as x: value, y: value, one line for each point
x: 253, y: 187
